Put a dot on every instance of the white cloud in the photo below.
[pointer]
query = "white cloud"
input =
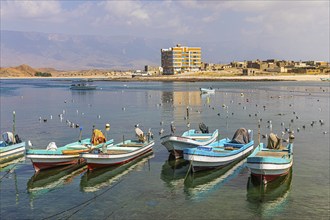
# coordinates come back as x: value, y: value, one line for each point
x: 30, y: 9
x: 126, y: 11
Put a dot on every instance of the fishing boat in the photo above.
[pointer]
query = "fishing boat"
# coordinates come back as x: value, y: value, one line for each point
x: 11, y: 147
x: 83, y: 85
x: 68, y: 154
x: 120, y: 153
x: 220, y: 153
x: 189, y: 139
x: 207, y: 90
x: 272, y: 161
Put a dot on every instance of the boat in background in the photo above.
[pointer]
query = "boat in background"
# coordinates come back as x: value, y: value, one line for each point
x: 269, y: 162
x: 189, y: 139
x: 220, y: 153
x: 11, y: 147
x: 207, y: 90
x: 325, y: 79
x: 52, y: 156
x: 120, y: 153
x: 82, y: 85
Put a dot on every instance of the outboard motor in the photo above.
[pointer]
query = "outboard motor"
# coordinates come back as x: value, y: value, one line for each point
x: 204, y: 129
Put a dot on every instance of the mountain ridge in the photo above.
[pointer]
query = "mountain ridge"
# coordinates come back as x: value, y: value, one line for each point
x: 77, y: 52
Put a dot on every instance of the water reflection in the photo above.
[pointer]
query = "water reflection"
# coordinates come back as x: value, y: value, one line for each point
x: 200, y: 184
x: 270, y: 199
x: 46, y: 180
x: 7, y: 166
x: 174, y: 171
x: 98, y: 179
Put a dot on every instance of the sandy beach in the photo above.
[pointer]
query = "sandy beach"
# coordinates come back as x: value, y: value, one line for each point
x: 187, y: 78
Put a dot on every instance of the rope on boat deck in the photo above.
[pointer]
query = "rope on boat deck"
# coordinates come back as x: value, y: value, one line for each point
x: 83, y: 204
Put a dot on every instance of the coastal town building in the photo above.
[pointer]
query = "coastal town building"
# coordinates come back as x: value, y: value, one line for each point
x: 180, y: 59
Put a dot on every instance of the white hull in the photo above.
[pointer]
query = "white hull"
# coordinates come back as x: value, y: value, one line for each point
x: 202, y: 161
x: 179, y: 143
x: 269, y: 169
x: 12, y: 153
x: 114, y: 158
x: 51, y: 158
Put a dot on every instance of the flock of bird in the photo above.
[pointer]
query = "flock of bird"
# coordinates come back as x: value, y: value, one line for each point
x: 246, y: 102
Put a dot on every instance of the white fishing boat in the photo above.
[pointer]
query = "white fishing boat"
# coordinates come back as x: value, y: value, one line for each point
x: 68, y: 154
x: 189, y: 139
x: 120, y: 153
x: 267, y: 163
x: 220, y: 153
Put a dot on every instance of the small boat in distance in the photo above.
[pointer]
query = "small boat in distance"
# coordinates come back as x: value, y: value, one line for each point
x: 220, y: 153
x: 120, y: 153
x: 189, y: 139
x: 207, y: 90
x: 82, y: 85
x: 267, y: 163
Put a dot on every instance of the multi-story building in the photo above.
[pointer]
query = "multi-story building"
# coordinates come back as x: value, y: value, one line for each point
x: 180, y: 59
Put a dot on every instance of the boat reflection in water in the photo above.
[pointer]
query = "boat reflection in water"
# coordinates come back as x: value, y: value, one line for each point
x: 174, y: 171
x: 200, y: 184
x: 9, y: 165
x: 48, y: 180
x: 93, y: 181
x: 271, y: 199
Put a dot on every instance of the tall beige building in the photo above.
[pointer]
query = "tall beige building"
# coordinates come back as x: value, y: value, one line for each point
x: 180, y: 59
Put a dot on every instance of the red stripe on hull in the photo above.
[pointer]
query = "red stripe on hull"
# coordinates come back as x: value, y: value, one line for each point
x: 43, y: 166
x: 93, y: 166
x: 267, y: 178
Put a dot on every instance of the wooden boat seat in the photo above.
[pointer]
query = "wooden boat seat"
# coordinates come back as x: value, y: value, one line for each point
x: 271, y: 154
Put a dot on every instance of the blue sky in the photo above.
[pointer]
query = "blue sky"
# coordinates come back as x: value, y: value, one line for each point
x: 293, y: 30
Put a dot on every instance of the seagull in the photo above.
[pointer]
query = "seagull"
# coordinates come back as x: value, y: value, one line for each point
x: 161, y: 131
x: 172, y: 127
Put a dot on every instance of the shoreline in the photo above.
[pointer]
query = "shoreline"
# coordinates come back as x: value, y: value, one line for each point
x: 188, y: 78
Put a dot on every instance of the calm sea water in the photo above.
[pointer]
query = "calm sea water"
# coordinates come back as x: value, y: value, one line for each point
x: 155, y: 187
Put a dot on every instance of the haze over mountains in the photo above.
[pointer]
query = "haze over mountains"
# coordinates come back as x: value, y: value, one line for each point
x: 67, y: 52
x: 76, y: 52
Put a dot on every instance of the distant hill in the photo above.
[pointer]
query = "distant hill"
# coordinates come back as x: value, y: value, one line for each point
x: 76, y: 52
x: 19, y: 71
